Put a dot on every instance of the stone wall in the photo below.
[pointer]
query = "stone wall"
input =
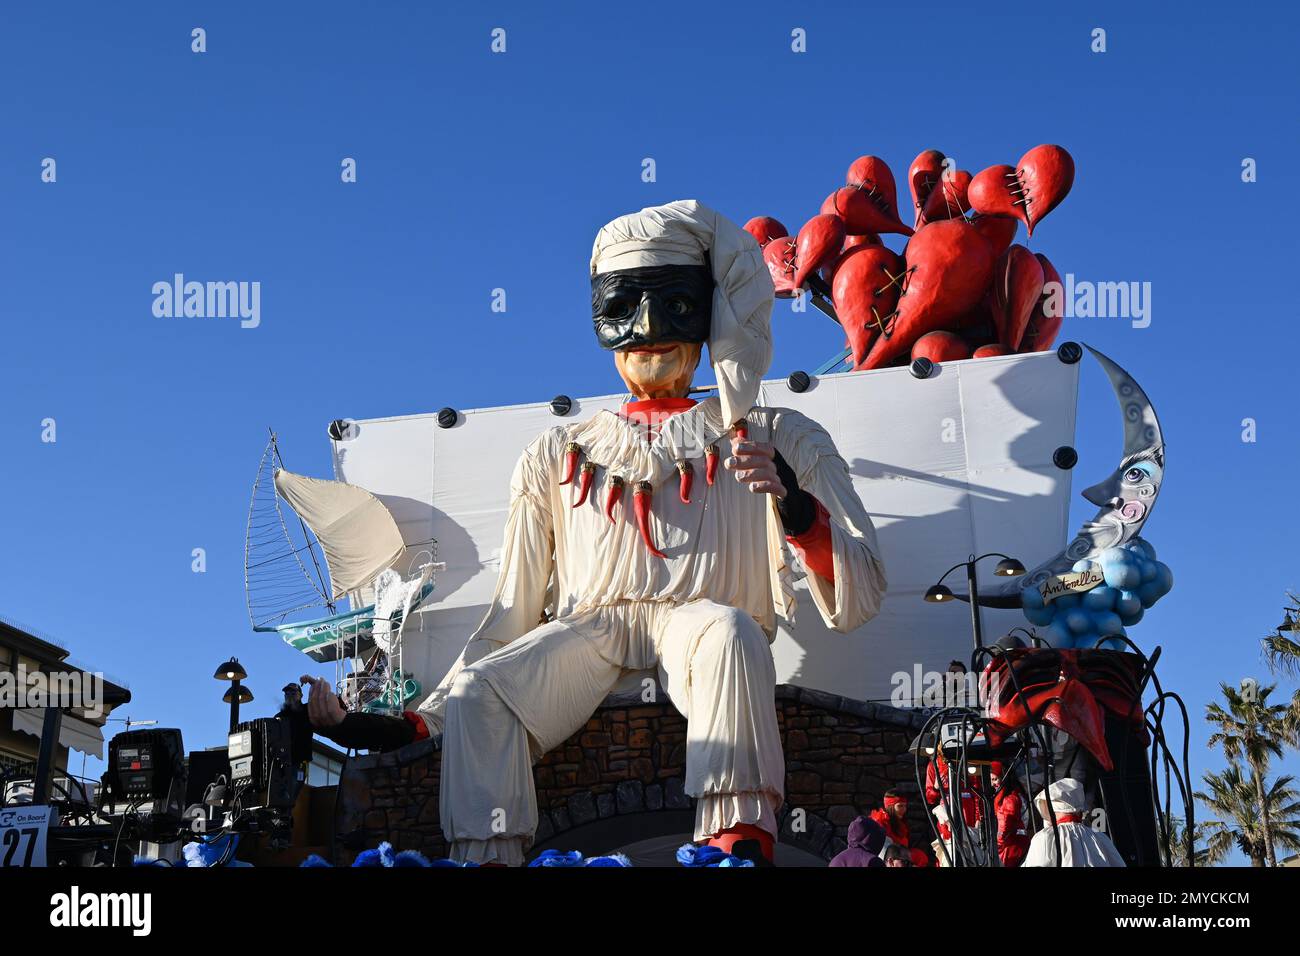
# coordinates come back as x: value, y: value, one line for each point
x: 841, y: 757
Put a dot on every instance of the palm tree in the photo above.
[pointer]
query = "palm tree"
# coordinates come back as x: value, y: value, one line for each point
x: 1282, y: 654
x: 1233, y: 799
x: 1178, y: 844
x: 1253, y: 730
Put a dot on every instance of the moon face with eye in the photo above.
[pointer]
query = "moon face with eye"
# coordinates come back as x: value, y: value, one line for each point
x: 1124, y: 499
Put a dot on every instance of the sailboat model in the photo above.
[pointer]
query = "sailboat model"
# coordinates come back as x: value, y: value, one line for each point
x: 332, y: 541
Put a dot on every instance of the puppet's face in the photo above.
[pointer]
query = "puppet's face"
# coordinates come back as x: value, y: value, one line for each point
x: 655, y: 320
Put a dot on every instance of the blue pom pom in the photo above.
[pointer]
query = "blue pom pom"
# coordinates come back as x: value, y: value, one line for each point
x: 1107, y: 623
x: 411, y: 858
x: 1087, y: 564
x: 316, y: 860
x: 1039, y: 616
x: 613, y: 859
x: 1078, y: 621
x: 558, y: 858
x: 1031, y: 598
x: 1100, y: 599
x: 1067, y: 601
x: 1122, y: 575
x: 1058, y: 635
x: 1144, y: 546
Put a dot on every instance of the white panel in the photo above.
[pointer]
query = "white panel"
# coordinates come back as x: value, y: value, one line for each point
x: 959, y: 463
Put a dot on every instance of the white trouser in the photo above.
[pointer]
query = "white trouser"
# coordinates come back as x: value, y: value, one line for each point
x: 519, y: 702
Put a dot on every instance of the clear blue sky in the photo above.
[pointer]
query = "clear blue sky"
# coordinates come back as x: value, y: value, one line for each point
x: 479, y: 171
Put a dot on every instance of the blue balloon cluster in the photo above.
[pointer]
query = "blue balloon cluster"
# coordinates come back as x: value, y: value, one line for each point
x: 1134, y: 581
x: 691, y: 854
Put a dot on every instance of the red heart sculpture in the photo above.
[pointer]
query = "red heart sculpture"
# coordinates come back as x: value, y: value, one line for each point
x: 998, y: 230
x: 850, y: 243
x: 1049, y: 312
x: 948, y: 198
x: 941, y: 346
x: 1029, y: 191
x: 765, y: 229
x: 949, y: 266
x: 922, y: 176
x: 779, y: 254
x: 865, y: 291
x: 861, y: 215
x: 1017, y: 288
x: 871, y: 175
x: 989, y: 351
x: 819, y: 241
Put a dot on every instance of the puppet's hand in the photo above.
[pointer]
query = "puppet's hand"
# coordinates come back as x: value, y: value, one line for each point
x: 759, y: 465
x: 754, y: 464
x: 324, y: 709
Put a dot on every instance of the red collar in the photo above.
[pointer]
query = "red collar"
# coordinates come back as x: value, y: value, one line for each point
x: 652, y: 411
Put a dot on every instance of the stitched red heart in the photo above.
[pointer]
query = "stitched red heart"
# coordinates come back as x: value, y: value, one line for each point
x: 1048, y: 314
x: 865, y: 292
x: 949, y: 266
x: 850, y: 243
x: 1017, y: 288
x: 941, y: 346
x: 819, y: 241
x: 922, y: 176
x: 779, y: 254
x: 948, y: 198
x: 871, y: 175
x: 1000, y: 231
x: 1029, y: 191
x: 765, y: 229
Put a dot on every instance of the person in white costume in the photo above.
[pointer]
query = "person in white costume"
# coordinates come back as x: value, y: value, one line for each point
x: 1081, y: 844
x: 624, y: 550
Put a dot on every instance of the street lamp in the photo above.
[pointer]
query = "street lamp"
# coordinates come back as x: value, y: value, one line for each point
x: 234, y: 672
x: 940, y: 593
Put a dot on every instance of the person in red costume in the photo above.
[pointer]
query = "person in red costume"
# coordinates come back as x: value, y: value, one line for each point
x: 637, y: 547
x: 936, y: 786
x: 1011, y: 811
x: 893, y: 817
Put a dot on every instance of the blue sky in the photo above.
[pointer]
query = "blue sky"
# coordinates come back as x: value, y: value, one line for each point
x: 478, y: 171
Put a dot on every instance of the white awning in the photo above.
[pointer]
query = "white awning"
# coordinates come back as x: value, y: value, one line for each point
x: 355, y: 530
x: 74, y: 733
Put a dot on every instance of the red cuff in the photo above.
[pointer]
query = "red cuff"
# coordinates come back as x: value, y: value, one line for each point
x: 815, y: 547
x: 416, y: 721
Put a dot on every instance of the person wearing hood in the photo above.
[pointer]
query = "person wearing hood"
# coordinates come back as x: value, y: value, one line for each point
x: 635, y: 551
x: 1081, y: 844
x: 892, y: 818
x: 1011, y: 812
x: 866, y: 839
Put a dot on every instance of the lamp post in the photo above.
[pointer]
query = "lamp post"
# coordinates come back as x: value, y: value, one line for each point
x: 940, y: 593
x: 237, y: 694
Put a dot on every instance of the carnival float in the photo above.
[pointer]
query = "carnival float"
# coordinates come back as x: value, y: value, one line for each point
x: 953, y: 408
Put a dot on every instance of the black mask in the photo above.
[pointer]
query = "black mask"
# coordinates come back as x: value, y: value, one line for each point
x: 651, y: 304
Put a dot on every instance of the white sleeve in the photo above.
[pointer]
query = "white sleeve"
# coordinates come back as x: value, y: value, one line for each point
x: 854, y: 597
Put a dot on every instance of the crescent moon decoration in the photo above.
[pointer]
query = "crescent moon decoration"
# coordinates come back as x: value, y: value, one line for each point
x: 1125, y: 498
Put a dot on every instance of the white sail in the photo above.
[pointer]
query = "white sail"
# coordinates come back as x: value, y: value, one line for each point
x: 355, y: 530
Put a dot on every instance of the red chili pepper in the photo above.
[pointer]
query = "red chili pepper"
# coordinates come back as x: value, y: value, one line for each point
x: 710, y: 464
x: 571, y: 452
x: 641, y: 505
x: 613, y: 496
x: 584, y: 483
x: 684, y: 485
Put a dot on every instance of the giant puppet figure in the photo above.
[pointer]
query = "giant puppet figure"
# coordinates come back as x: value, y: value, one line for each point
x: 626, y: 550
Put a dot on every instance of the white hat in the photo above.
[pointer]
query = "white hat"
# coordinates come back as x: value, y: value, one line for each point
x: 685, y: 233
x: 1066, y: 796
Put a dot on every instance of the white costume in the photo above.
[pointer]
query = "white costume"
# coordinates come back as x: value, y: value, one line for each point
x: 703, y: 616
x: 1081, y: 844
